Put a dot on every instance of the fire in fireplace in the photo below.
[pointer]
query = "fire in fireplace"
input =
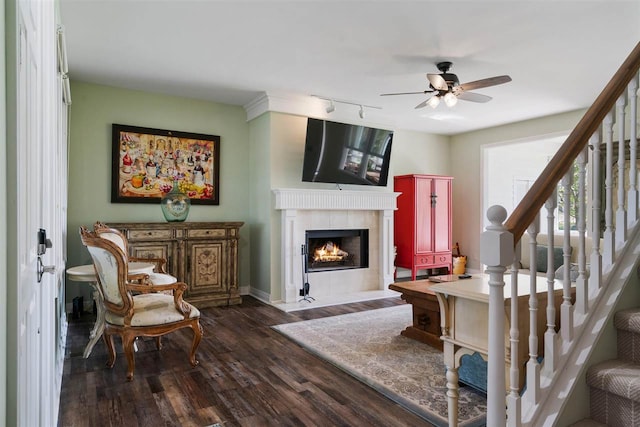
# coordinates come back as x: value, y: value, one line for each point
x: 337, y: 249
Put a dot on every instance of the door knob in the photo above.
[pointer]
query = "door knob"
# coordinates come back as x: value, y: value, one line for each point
x: 44, y: 269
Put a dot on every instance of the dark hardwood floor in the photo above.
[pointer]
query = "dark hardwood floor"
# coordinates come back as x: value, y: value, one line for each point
x: 249, y: 375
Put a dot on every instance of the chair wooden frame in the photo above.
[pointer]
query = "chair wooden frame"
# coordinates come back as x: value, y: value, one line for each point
x: 127, y: 285
x: 102, y: 229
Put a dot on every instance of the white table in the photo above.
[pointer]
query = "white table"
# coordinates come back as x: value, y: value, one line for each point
x: 464, y: 316
x: 87, y: 274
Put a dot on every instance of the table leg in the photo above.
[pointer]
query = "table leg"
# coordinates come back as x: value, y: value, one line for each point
x: 98, y: 327
x: 452, y: 396
x: 452, y: 382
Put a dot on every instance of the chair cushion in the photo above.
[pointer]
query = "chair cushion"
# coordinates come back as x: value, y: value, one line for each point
x: 152, y: 309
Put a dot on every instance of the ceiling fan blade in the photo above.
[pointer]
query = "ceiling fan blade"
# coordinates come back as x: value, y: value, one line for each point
x: 437, y: 81
x: 423, y: 103
x: 407, y: 93
x: 473, y: 97
x: 491, y: 81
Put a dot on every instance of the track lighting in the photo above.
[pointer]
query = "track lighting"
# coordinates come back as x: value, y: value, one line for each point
x: 450, y: 99
x: 434, y: 101
x: 332, y: 105
x: 331, y: 108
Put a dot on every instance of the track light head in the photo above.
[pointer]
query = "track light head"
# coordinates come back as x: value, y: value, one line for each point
x: 361, y: 112
x: 331, y: 108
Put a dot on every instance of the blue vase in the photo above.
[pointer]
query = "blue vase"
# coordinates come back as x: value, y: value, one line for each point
x: 175, y: 204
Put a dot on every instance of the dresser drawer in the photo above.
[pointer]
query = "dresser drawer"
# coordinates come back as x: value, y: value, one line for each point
x: 442, y: 258
x: 150, y: 234
x: 210, y: 232
x: 424, y: 260
x: 438, y: 259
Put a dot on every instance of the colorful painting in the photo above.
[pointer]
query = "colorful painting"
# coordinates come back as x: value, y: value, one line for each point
x: 148, y: 163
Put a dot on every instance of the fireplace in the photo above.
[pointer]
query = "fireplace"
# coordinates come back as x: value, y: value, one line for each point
x: 309, y: 209
x: 329, y: 250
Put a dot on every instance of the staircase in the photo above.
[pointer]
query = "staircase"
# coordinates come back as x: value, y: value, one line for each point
x: 607, y: 201
x: 615, y: 384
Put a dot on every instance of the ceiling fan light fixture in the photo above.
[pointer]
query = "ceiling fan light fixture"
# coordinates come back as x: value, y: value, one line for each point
x: 434, y: 101
x: 450, y: 99
x: 361, y: 112
x: 331, y: 108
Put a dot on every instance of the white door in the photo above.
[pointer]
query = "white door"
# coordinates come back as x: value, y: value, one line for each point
x: 35, y: 135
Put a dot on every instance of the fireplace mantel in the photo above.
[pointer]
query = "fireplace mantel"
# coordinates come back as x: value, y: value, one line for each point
x: 341, y: 206
x: 304, y: 199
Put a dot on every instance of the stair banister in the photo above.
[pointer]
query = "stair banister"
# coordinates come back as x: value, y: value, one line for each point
x: 497, y: 251
x: 559, y: 165
x: 632, y: 210
x: 498, y: 241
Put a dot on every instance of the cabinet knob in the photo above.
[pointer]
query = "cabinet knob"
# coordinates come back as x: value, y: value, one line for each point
x: 424, y: 320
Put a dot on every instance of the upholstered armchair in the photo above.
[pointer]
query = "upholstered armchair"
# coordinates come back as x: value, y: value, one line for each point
x: 158, y: 277
x: 134, y: 306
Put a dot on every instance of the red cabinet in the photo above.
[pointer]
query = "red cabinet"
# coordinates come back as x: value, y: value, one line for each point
x: 422, y: 222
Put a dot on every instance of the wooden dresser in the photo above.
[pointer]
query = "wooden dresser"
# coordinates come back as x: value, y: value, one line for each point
x: 204, y: 255
x: 426, y: 311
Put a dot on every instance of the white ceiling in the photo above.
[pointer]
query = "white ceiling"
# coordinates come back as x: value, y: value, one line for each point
x: 560, y: 54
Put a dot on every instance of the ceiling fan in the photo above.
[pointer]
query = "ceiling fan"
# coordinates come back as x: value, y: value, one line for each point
x: 447, y: 86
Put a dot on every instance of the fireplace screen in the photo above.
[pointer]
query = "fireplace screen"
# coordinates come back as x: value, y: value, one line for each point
x: 337, y: 249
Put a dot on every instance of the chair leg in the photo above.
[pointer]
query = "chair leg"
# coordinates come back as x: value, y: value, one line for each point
x: 127, y: 344
x: 197, y: 336
x: 108, y: 340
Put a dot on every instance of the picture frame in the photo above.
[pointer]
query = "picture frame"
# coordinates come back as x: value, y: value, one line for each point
x: 147, y: 163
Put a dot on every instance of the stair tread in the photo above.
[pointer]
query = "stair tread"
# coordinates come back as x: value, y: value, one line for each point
x: 616, y: 376
x: 628, y: 320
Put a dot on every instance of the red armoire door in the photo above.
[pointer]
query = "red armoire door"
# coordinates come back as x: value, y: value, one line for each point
x: 424, y: 216
x: 441, y: 215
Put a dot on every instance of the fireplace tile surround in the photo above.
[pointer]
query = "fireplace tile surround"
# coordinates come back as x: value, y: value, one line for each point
x: 308, y: 209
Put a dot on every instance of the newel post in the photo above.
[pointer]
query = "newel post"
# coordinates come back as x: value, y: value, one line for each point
x: 496, y: 252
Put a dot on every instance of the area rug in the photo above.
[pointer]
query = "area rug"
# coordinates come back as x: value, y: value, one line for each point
x: 368, y: 346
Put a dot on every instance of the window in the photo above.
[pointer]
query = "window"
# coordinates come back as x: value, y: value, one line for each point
x: 510, y: 169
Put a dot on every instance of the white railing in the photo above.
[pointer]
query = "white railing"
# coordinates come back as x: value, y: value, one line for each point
x: 590, y: 287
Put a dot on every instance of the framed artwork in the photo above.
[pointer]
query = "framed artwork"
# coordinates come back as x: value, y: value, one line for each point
x: 148, y: 163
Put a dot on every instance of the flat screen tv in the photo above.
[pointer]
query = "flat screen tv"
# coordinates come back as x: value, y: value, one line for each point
x: 346, y: 154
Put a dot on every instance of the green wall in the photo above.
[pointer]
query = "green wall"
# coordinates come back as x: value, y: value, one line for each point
x: 260, y: 206
x: 95, y: 108
x: 257, y: 157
